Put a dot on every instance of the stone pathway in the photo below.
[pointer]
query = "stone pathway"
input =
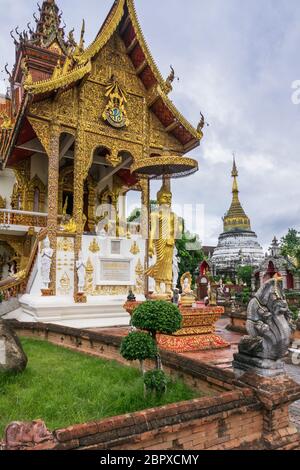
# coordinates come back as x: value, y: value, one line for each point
x: 294, y: 372
x: 223, y: 358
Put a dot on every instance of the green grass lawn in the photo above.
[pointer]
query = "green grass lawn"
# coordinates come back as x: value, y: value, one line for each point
x: 63, y: 387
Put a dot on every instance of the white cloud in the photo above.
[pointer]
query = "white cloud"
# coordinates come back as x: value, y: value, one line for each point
x: 236, y: 64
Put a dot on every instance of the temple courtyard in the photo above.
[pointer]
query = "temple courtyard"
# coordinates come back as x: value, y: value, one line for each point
x: 113, y: 312
x: 222, y: 358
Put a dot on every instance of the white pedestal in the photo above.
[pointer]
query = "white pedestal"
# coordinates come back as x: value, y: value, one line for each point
x: 98, y: 312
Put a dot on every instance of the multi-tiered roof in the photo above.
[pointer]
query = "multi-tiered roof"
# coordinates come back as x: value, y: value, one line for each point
x: 48, y: 63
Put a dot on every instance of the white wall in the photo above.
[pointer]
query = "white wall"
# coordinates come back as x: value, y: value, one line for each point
x: 7, y: 181
x: 39, y: 167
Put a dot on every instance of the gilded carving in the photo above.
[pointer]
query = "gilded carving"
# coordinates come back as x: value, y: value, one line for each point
x: 94, y: 246
x: 115, y: 111
x: 2, y: 202
x: 67, y: 107
x: 89, y: 278
x: 111, y: 290
x: 35, y: 185
x: 53, y: 175
x: 134, y: 250
x: 65, y: 244
x: 42, y: 109
x: 54, y: 83
x: 42, y: 130
x: 113, y: 158
x: 65, y: 284
x: 160, y: 139
x: 139, y: 279
x: 6, y: 121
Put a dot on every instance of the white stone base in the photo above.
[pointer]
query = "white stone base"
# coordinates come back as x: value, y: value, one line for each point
x: 98, y: 312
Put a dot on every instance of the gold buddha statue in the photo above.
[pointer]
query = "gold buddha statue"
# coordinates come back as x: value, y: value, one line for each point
x: 68, y: 224
x: 188, y: 297
x: 161, y: 244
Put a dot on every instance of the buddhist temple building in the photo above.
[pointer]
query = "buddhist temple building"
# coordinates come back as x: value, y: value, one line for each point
x: 237, y: 245
x: 80, y: 127
x: 274, y: 263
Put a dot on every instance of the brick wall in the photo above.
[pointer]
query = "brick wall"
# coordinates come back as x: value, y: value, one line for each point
x: 252, y: 415
x: 106, y: 346
x: 231, y: 420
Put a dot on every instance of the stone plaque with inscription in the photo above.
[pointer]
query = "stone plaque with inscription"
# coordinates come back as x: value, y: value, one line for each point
x: 115, y: 271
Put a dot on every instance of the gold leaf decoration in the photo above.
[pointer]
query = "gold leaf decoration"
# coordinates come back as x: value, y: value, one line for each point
x: 135, y: 249
x: 94, y: 246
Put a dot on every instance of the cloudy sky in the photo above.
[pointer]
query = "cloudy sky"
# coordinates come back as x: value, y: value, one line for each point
x: 236, y: 62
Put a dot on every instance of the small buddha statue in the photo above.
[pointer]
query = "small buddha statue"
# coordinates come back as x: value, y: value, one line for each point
x: 187, y: 297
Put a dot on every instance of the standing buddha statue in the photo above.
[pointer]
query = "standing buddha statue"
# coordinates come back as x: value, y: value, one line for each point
x: 162, y: 243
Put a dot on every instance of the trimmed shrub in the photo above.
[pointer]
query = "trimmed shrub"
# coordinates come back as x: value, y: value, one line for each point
x: 156, y: 380
x: 138, y: 346
x: 157, y: 317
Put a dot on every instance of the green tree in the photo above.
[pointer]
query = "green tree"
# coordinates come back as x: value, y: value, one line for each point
x: 190, y: 254
x: 138, y: 346
x: 244, y: 273
x: 290, y: 245
x: 156, y: 317
x: 135, y: 215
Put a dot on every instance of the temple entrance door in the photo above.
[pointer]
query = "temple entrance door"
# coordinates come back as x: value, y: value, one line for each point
x: 270, y: 272
x: 290, y: 280
x: 202, y: 287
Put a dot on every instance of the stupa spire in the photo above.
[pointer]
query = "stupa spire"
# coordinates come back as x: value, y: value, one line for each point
x: 236, y: 219
x: 235, y: 174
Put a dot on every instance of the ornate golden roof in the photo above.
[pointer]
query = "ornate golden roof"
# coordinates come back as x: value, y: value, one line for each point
x: 80, y: 65
x: 236, y: 219
x: 56, y: 82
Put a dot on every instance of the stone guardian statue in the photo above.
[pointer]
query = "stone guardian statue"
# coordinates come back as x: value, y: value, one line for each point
x: 270, y: 327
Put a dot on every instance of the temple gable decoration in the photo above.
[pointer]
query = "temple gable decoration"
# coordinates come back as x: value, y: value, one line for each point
x: 115, y: 113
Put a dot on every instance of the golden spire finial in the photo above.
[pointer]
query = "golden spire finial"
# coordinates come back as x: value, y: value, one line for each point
x: 234, y: 167
x: 236, y: 219
x: 234, y: 174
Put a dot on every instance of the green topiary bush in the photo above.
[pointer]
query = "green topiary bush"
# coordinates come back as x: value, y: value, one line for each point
x: 138, y: 346
x: 156, y: 380
x: 157, y: 317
